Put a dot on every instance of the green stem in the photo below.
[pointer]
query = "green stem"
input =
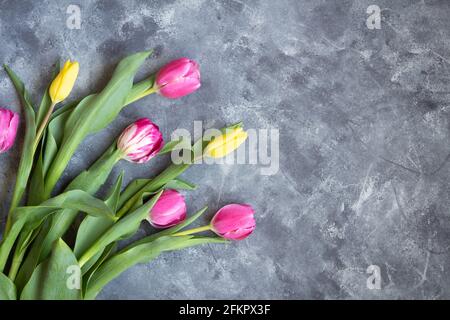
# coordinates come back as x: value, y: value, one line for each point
x: 191, y: 231
x: 85, y: 257
x: 139, y: 88
x: 142, y: 95
x: 43, y: 125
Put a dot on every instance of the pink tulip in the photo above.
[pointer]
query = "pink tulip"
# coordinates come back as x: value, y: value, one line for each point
x: 169, y: 210
x: 140, y: 141
x: 234, y: 221
x: 9, y: 122
x: 178, y: 78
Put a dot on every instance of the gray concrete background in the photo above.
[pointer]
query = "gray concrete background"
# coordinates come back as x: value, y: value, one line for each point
x: 364, y: 135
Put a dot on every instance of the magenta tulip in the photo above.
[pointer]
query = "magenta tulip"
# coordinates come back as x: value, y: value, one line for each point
x: 9, y: 122
x: 140, y: 141
x: 169, y: 210
x: 178, y: 78
x: 234, y: 221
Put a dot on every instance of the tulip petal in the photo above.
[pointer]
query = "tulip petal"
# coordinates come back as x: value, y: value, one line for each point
x: 178, y: 78
x: 63, y: 84
x: 234, y: 221
x: 169, y: 210
x: 226, y: 143
x: 172, y: 71
x: 140, y: 141
x: 9, y: 123
x: 180, y: 88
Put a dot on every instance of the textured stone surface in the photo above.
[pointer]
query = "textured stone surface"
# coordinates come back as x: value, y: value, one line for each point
x: 364, y: 135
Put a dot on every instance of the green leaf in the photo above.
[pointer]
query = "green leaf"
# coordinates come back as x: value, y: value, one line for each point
x: 144, y: 251
x: 66, y: 109
x: 179, y: 184
x: 73, y: 120
x: 114, y: 194
x: 91, y: 228
x: 25, y: 239
x: 140, y: 253
x: 89, y: 181
x: 55, y: 132
x: 47, y: 151
x: 32, y: 259
x: 89, y: 269
x: 26, y: 161
x: 36, y: 184
x: 75, y: 199
x: 95, y: 113
x: 51, y: 148
x: 92, y: 261
x: 26, y: 219
x: 135, y: 92
x: 132, y: 188
x: 52, y: 279
x: 125, y: 226
x: 143, y: 197
x: 7, y: 288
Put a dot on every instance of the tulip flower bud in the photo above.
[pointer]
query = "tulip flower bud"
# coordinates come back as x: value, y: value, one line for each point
x: 140, y: 141
x: 9, y: 122
x: 226, y: 143
x: 63, y: 83
x: 169, y: 210
x: 234, y: 221
x: 178, y: 78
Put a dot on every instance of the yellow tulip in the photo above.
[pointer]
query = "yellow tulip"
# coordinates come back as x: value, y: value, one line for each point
x: 59, y: 90
x: 226, y: 143
x: 64, y: 81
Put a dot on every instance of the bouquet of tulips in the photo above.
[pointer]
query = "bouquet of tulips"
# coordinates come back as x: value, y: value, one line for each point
x: 37, y: 258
